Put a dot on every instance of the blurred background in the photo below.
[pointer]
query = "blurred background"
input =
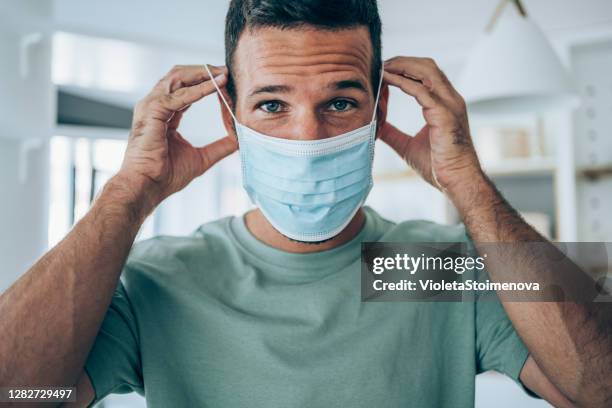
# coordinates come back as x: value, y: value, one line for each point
x: 71, y: 72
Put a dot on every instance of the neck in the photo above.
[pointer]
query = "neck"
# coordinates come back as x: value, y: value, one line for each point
x: 261, y: 228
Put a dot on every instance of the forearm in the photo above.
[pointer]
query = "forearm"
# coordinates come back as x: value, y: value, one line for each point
x: 572, y: 342
x: 51, y: 315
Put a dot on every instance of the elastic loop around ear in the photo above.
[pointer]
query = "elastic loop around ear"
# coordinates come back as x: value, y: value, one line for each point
x: 220, y: 93
x: 382, y: 71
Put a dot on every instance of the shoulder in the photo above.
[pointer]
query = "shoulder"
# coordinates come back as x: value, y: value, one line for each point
x: 170, y: 256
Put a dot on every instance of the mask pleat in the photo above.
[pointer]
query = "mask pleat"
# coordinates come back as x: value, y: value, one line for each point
x: 327, y: 198
x: 307, y: 187
x: 310, y: 217
x: 307, y: 169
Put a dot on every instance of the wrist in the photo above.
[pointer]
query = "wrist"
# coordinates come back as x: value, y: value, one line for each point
x: 135, y: 194
x: 471, y: 191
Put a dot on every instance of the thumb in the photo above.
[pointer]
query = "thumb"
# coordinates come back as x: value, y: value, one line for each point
x: 396, y: 139
x: 217, y: 150
x: 415, y: 150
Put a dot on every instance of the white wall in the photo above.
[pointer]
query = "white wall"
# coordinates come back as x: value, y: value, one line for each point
x: 499, y: 391
x: 23, y: 208
x: 27, y: 111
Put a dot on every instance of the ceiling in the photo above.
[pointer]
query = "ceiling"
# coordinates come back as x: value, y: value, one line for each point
x: 417, y: 27
x: 442, y: 29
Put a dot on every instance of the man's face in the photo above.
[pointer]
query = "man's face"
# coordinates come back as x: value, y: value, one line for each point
x: 303, y: 84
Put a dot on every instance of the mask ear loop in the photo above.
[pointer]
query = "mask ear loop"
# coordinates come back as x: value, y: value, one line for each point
x: 382, y: 71
x: 212, y: 78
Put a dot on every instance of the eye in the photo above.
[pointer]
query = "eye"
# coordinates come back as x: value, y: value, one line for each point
x: 341, y: 105
x: 270, y: 106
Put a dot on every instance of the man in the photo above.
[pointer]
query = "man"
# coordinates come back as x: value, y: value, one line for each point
x: 243, y: 313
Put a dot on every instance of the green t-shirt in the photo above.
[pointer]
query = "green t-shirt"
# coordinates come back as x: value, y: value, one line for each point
x: 219, y: 319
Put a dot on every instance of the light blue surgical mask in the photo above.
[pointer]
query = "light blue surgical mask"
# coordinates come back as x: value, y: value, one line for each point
x: 309, y: 190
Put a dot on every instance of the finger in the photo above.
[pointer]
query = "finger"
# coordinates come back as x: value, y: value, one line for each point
x: 396, y: 139
x: 163, y: 107
x: 174, y: 122
x: 415, y: 150
x: 181, y: 76
x: 413, y: 88
x: 217, y: 150
x: 425, y: 70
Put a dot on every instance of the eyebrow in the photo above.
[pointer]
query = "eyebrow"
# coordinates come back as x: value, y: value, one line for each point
x: 271, y: 89
x: 339, y: 85
x: 349, y: 84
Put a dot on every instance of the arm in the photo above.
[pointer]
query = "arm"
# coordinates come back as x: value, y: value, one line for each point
x: 85, y: 393
x: 533, y: 378
x: 574, y: 351
x: 51, y: 315
x: 570, y: 341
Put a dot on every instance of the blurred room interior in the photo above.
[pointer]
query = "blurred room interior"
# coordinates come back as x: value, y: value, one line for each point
x: 73, y: 70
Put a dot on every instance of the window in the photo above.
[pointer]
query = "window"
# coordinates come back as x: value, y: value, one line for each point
x: 79, y: 168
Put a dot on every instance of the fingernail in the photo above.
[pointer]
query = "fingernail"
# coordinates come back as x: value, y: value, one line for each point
x: 220, y: 77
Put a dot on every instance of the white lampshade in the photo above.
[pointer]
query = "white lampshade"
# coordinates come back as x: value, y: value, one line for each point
x: 514, y: 69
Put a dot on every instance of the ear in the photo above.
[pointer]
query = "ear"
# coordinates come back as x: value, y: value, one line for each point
x: 226, y: 117
x: 381, y: 110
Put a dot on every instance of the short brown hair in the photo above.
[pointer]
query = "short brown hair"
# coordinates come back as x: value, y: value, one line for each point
x: 286, y: 14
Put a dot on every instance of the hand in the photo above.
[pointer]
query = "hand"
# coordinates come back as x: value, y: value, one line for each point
x: 442, y: 151
x: 158, y: 160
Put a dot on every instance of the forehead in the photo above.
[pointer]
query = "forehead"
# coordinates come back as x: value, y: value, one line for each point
x: 301, y: 56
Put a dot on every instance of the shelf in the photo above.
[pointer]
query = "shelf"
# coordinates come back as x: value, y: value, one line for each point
x: 396, y: 175
x: 595, y: 172
x: 521, y: 167
x: 506, y: 168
